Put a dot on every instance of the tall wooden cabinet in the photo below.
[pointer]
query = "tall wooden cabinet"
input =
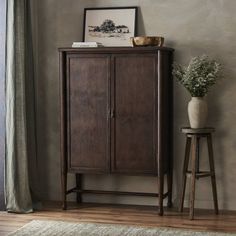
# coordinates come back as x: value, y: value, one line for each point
x: 116, y: 115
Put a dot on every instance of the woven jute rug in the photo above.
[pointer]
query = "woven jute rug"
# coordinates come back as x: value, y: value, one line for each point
x: 59, y: 228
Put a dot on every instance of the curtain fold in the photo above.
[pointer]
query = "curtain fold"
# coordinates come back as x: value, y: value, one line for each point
x: 20, y: 160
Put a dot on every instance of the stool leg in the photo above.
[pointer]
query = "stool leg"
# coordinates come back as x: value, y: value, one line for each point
x: 185, y: 168
x: 197, y: 155
x: 212, y: 169
x: 193, y: 176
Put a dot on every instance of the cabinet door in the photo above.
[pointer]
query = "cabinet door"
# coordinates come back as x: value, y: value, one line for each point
x: 134, y: 129
x: 88, y: 103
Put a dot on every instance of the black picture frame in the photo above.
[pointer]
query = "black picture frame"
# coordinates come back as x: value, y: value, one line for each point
x: 122, y: 32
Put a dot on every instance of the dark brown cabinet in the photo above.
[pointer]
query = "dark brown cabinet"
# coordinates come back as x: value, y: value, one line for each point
x: 116, y: 115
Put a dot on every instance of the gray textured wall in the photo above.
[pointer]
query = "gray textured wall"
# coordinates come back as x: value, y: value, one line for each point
x: 192, y: 28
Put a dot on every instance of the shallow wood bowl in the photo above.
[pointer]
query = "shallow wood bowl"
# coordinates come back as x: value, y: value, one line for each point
x: 147, y: 41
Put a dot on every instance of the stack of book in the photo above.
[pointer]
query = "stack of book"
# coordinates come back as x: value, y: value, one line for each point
x: 86, y: 45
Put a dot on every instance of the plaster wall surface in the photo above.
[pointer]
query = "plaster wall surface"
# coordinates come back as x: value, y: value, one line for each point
x: 193, y: 28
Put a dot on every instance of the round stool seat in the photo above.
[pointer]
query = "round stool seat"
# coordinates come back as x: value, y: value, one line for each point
x: 188, y: 130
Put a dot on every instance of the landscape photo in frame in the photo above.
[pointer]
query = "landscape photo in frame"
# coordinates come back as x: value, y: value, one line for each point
x: 112, y: 27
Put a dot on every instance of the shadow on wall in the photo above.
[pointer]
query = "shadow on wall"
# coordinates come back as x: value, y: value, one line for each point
x: 2, y: 100
x: 140, y: 23
x: 218, y: 118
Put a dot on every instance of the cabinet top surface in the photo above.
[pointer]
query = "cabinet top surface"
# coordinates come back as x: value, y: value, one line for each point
x: 115, y: 49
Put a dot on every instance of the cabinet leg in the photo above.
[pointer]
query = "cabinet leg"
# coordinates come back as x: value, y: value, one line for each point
x: 193, y: 176
x: 212, y: 169
x: 64, y: 189
x: 79, y: 187
x: 170, y: 183
x: 160, y: 190
x: 185, y: 168
x: 170, y: 179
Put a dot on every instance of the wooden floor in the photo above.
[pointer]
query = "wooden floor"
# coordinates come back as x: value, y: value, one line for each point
x: 128, y: 215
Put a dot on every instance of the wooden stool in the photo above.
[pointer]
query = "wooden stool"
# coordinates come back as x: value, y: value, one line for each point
x: 192, y: 143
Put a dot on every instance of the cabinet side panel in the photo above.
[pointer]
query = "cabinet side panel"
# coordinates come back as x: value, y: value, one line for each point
x: 167, y: 109
x: 89, y: 97
x: 134, y: 103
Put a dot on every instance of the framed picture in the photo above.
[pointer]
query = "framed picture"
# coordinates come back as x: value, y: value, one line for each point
x: 110, y: 26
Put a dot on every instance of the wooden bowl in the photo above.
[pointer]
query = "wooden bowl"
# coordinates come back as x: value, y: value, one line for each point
x: 142, y: 41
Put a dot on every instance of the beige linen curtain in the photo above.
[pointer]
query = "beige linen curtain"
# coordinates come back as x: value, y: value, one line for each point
x: 20, y: 160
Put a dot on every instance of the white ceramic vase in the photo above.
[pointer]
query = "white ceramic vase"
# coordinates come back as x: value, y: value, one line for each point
x: 197, y: 112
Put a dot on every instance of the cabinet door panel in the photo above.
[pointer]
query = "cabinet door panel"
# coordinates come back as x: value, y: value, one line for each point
x: 88, y: 98
x: 134, y: 123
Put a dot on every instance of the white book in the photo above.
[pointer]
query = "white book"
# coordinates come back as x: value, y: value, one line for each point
x: 86, y: 44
